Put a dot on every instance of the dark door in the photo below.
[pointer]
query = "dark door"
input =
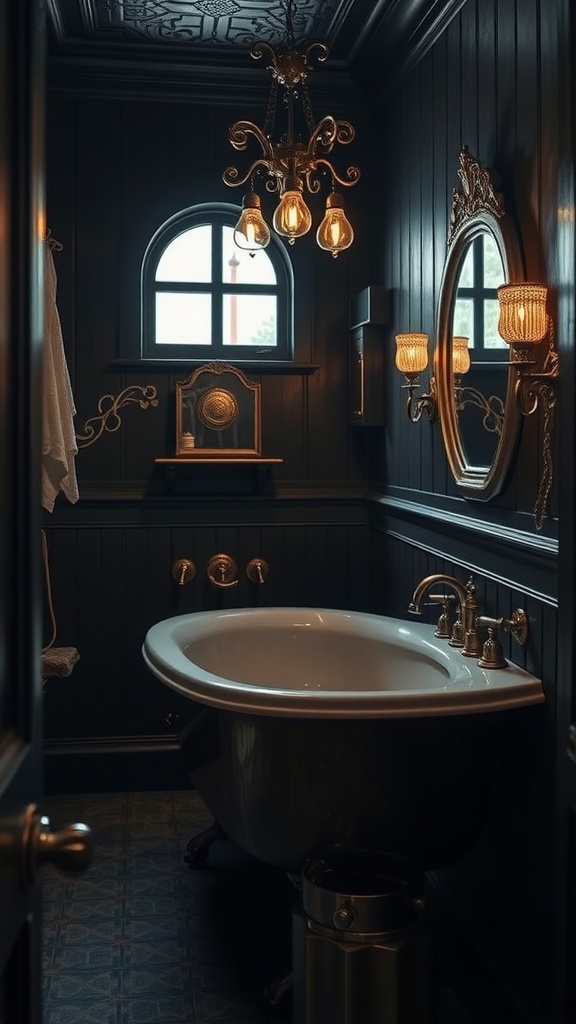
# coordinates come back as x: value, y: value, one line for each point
x: 25, y: 840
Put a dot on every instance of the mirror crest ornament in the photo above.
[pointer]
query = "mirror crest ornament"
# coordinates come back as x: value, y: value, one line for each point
x: 479, y: 415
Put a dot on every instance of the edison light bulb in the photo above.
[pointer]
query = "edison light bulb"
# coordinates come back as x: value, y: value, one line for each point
x: 292, y: 218
x: 251, y: 232
x: 335, y: 233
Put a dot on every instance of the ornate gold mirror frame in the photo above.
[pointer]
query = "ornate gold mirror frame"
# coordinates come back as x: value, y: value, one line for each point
x: 477, y: 209
x: 217, y: 414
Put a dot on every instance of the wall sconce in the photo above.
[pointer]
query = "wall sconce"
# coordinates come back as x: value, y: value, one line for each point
x: 460, y: 358
x: 411, y: 360
x: 524, y: 324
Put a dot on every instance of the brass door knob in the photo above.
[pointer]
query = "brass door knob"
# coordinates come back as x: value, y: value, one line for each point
x: 28, y: 842
x: 222, y: 571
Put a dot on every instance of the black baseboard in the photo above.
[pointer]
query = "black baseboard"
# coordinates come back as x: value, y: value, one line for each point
x: 113, y: 765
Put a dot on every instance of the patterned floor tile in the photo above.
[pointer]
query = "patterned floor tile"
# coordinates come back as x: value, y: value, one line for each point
x: 141, y: 938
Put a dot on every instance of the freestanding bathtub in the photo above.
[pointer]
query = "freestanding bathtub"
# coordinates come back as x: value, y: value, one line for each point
x: 317, y: 728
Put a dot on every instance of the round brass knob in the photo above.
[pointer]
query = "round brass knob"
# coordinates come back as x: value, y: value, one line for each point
x: 222, y: 571
x: 29, y: 841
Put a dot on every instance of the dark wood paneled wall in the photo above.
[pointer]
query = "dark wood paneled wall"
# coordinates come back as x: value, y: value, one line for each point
x: 493, y: 81
x: 120, y: 162
x: 117, y: 169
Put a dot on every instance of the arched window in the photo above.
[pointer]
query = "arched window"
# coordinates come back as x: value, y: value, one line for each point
x: 205, y: 299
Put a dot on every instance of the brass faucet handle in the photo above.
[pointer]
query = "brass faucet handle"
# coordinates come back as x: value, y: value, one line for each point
x: 183, y: 571
x: 516, y: 625
x: 444, y: 626
x: 257, y: 570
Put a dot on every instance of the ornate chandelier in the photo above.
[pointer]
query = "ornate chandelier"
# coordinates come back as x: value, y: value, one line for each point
x: 292, y: 164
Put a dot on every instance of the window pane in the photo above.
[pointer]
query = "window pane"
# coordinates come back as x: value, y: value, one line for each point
x: 493, y: 269
x: 239, y: 266
x: 491, y: 313
x: 249, y: 320
x: 466, y: 278
x: 183, y: 319
x: 463, y: 325
x: 188, y: 257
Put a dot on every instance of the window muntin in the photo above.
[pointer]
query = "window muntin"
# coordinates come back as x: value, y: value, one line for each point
x: 476, y: 305
x: 204, y: 299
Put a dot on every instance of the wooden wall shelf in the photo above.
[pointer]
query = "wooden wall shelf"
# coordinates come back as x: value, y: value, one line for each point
x: 259, y: 465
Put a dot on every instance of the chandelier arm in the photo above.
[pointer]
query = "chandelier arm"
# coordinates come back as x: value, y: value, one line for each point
x: 239, y: 134
x: 323, y: 136
x: 260, y: 49
x: 352, y: 173
x: 324, y: 51
x: 231, y: 175
x: 331, y: 130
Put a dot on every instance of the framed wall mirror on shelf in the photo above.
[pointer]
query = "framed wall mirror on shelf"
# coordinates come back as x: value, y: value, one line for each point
x: 218, y: 419
x: 475, y: 378
x: 218, y: 414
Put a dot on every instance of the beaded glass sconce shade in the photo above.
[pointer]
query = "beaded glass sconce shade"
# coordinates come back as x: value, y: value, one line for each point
x: 411, y: 353
x: 523, y: 317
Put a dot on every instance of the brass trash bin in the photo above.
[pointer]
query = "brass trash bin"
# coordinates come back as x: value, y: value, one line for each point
x: 362, y: 943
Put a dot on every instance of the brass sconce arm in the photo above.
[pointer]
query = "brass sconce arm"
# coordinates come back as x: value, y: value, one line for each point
x: 417, y: 405
x: 411, y: 359
x: 524, y: 324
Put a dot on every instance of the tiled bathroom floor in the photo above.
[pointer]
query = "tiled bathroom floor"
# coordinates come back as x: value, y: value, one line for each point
x: 142, y: 939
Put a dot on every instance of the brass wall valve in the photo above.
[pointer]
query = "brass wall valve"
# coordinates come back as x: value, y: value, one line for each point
x: 222, y: 571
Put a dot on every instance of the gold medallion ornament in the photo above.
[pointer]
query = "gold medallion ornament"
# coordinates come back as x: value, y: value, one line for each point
x: 217, y: 409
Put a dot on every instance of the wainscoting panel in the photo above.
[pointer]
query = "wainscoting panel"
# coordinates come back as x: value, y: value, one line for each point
x: 111, y: 582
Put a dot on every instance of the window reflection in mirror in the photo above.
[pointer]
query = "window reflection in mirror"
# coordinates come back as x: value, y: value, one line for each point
x: 476, y: 305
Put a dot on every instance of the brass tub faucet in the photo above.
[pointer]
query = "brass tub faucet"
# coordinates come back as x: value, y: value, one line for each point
x: 464, y: 631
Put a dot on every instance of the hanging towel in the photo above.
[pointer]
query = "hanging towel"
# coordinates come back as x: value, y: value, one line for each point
x: 58, y: 435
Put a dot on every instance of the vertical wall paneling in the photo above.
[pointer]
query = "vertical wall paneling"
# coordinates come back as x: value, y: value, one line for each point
x: 494, y: 82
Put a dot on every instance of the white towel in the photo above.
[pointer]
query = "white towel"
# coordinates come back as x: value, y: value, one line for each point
x: 58, y: 435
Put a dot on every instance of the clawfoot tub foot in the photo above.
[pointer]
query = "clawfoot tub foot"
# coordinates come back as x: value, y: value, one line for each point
x: 198, y: 847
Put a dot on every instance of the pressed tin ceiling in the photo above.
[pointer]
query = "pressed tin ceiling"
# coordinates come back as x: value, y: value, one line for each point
x: 373, y: 40
x: 228, y: 24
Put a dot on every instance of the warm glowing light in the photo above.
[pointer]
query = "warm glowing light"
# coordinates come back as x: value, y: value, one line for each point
x: 411, y: 353
x: 335, y: 232
x: 523, y: 316
x: 251, y: 232
x: 292, y: 218
x: 294, y: 157
x: 460, y: 356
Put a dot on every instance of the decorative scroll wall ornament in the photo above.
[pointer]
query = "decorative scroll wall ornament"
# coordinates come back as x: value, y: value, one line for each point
x: 108, y: 421
x: 476, y: 196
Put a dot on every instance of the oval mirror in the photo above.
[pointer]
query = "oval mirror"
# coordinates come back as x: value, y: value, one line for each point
x: 475, y: 382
